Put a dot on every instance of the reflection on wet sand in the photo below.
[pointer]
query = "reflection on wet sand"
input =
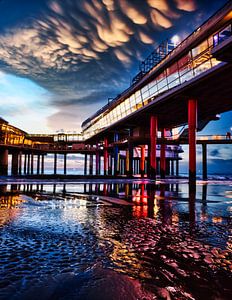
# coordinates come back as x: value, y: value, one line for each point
x: 174, y: 241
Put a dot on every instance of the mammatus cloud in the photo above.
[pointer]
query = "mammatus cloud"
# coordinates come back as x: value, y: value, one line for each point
x: 72, y: 34
x: 77, y: 48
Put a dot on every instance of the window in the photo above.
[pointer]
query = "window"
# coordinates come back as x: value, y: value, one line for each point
x: 200, y: 48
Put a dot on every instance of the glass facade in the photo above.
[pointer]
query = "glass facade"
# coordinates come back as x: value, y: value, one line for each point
x: 193, y: 63
x: 11, y: 135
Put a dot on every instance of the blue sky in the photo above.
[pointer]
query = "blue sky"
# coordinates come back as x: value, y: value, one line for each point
x: 61, y: 60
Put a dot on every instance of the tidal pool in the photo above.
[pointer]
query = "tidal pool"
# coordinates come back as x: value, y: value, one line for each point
x: 116, y: 240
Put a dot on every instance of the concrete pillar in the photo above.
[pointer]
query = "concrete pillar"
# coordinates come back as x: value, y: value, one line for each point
x: 65, y: 163
x: 129, y: 160
x: 153, y: 139
x: 42, y: 164
x: 110, y: 162
x: 192, y: 124
x: 91, y: 164
x: 168, y: 169
x: 28, y: 163
x: 177, y: 167
x: 85, y: 164
x: 106, y: 158
x: 55, y: 163
x: 38, y: 164
x: 172, y: 167
x: 142, y: 161
x: 3, y: 162
x: 20, y: 163
x: 97, y: 161
x: 15, y: 163
x: 204, y: 161
x: 163, y: 155
x: 25, y: 164
x: 32, y: 163
x: 116, y: 155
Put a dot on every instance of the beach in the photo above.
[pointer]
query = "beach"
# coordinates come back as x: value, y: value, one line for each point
x: 120, y: 239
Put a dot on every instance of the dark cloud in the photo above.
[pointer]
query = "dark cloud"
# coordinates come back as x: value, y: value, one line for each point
x: 84, y: 51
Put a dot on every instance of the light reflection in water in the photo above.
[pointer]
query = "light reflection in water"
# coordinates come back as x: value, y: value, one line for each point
x: 165, y: 234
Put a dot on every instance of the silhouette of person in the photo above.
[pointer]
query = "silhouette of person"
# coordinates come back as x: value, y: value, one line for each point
x: 228, y: 135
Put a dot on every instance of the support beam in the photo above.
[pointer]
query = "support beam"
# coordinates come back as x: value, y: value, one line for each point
x: 4, y: 162
x: 153, y: 139
x: 142, y: 161
x: 42, y: 164
x: 106, y: 157
x: 129, y: 159
x: 172, y: 167
x: 91, y: 164
x: 204, y: 161
x: 25, y: 164
x: 177, y: 167
x: 15, y: 164
x: 85, y: 164
x: 55, y: 163
x: 28, y: 163
x: 20, y: 163
x: 163, y: 155
x: 110, y: 163
x: 97, y: 161
x: 65, y: 163
x: 32, y: 163
x: 116, y: 155
x: 38, y: 164
x: 192, y: 124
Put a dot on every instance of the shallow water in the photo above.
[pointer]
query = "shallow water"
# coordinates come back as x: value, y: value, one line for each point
x: 116, y: 240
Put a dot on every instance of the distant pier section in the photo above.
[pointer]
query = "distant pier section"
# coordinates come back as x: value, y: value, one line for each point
x: 177, y: 92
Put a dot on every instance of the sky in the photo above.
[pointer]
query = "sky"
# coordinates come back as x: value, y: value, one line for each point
x: 60, y: 60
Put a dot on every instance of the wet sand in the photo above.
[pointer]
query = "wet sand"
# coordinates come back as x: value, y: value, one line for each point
x: 116, y: 241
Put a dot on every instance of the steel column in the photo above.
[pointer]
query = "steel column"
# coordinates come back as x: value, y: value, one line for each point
x: 142, y: 161
x: 15, y: 164
x: 32, y: 163
x: 20, y: 163
x: 97, y: 161
x: 204, y: 161
x: 65, y: 163
x: 28, y: 163
x: 153, y: 139
x: 85, y: 164
x: 25, y: 164
x: 163, y: 155
x: 129, y: 160
x: 177, y: 167
x: 55, y: 163
x: 116, y: 156
x: 106, y: 157
x: 42, y: 164
x: 192, y: 124
x: 38, y: 164
x: 91, y: 164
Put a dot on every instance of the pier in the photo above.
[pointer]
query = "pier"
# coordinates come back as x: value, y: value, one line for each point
x: 184, y: 85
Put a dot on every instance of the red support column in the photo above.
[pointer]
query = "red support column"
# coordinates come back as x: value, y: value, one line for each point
x: 192, y: 124
x: 106, y: 158
x: 163, y: 155
x: 153, y: 138
x: 142, y: 161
